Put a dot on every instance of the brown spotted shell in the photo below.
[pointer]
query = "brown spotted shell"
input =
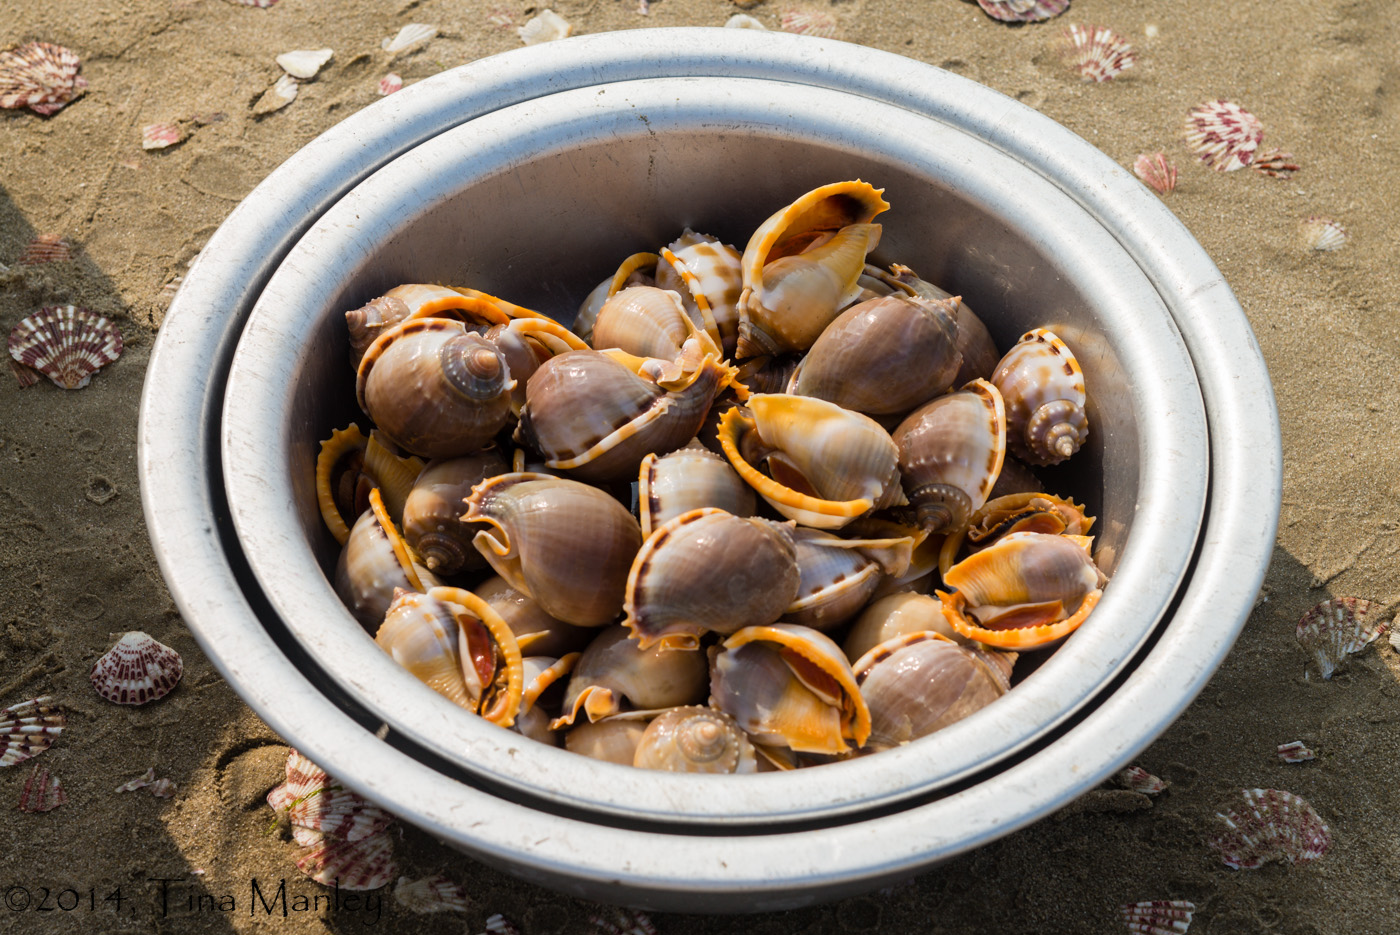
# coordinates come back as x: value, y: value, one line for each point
x: 709, y: 571
x: 950, y: 453
x: 565, y: 544
x: 434, y: 388
x: 884, y: 356
x: 687, y: 479
x: 432, y: 513
x: 1043, y: 386
x: 695, y: 739
x: 710, y: 279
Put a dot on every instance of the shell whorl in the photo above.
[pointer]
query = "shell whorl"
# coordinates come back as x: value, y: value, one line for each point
x: 940, y: 507
x: 474, y: 367
x: 1056, y: 430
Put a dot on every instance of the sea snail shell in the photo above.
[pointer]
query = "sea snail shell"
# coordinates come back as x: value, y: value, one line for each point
x: 695, y: 739
x: 434, y: 388
x: 1043, y: 386
x: 432, y: 522
x: 616, y: 674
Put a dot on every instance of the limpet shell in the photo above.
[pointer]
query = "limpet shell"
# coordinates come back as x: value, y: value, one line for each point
x: 1270, y: 825
x: 66, y: 343
x: 136, y: 670
x: 1338, y: 628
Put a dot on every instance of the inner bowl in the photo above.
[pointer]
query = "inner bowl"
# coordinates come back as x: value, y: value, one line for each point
x: 537, y: 202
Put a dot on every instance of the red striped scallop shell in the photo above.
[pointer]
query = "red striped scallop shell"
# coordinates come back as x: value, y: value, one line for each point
x: 366, y: 864
x: 46, y: 248
x: 136, y: 670
x: 1158, y: 916
x: 29, y: 728
x: 1097, y: 52
x: 41, y: 76
x: 620, y: 921
x: 65, y: 343
x: 42, y: 792
x: 1270, y: 825
x: 1155, y: 171
x: 1338, y: 628
x: 1223, y: 134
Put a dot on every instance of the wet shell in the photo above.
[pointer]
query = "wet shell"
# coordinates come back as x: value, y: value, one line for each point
x: 1097, y: 52
x: 1338, y: 628
x: 828, y: 464
x: 1270, y: 825
x: 435, y: 389
x: 536, y: 632
x: 884, y: 356
x: 375, y: 562
x: 421, y: 634
x: 1324, y: 234
x: 432, y: 513
x: 136, y: 670
x: 29, y: 728
x: 616, y: 674
x: 1156, y: 172
x: 366, y: 864
x: 1023, y: 11
x: 918, y: 683
x: 437, y: 893
x: 42, y: 792
x: 710, y: 279
x: 709, y: 571
x: 790, y: 686
x: 41, y: 76
x: 950, y: 453
x: 1020, y: 512
x: 1025, y: 591
x: 66, y: 344
x: 491, y: 662
x: 614, y: 740
x: 1042, y: 385
x: 1158, y: 917
x: 565, y: 544
x: 695, y: 739
x: 1223, y: 134
x: 687, y: 479
x: 802, y: 265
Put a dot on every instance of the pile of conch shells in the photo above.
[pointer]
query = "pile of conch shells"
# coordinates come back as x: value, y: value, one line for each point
x: 754, y: 511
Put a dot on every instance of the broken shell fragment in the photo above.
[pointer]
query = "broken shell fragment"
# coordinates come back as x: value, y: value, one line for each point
x: 1158, y: 916
x: 818, y: 24
x: 42, y: 792
x: 545, y: 27
x: 1336, y: 629
x: 1137, y: 779
x: 276, y: 97
x: 65, y: 343
x: 409, y: 36
x: 437, y: 893
x: 1023, y: 11
x: 161, y: 135
x: 1295, y: 752
x: 136, y: 670
x: 304, y: 63
x: 41, y: 76
x: 29, y: 728
x: 1320, y: 233
x: 1156, y: 172
x: 1270, y: 825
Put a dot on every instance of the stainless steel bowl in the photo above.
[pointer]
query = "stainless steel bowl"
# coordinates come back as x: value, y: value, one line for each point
x: 569, y: 156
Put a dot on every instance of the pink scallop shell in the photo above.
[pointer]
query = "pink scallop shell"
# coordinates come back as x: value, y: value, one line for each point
x: 366, y: 864
x: 1338, y: 628
x: 804, y: 21
x: 1023, y: 11
x: 1097, y: 52
x: 136, y: 670
x: 29, y: 728
x: 42, y: 792
x: 1321, y: 233
x: 1137, y: 779
x: 303, y: 778
x: 389, y: 84
x: 1223, y: 134
x: 46, y: 248
x: 336, y: 812
x: 1270, y: 825
x: 431, y: 894
x: 1156, y: 172
x: 161, y: 135
x: 1158, y: 916
x: 41, y: 76
x: 67, y: 344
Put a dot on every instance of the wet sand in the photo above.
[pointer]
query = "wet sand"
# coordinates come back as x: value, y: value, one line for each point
x: 76, y: 565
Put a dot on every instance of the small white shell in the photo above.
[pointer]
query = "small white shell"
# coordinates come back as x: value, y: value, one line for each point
x: 409, y: 36
x: 136, y: 670
x: 431, y: 894
x: 304, y: 63
x: 1324, y: 234
x: 276, y: 97
x: 546, y: 27
x: 743, y: 21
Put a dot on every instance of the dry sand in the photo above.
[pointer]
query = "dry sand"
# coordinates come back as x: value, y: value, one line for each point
x: 75, y: 564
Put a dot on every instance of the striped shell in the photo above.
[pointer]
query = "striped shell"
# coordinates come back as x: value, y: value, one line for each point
x: 1137, y: 779
x: 1023, y: 11
x: 1158, y: 916
x: 41, y: 76
x: 1295, y: 752
x: 687, y: 479
x: 136, y: 670
x: 709, y: 277
x: 1156, y: 172
x: 1338, y: 628
x: 1097, y: 52
x: 616, y: 674
x: 1270, y: 825
x: 1042, y: 385
x: 29, y: 728
x: 1324, y: 234
x: 46, y: 248
x: 1223, y: 134
x: 366, y: 864
x: 950, y: 453
x: 437, y: 893
x: 42, y: 792
x: 65, y: 343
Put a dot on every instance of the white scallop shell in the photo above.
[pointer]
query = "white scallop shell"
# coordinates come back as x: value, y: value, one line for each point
x: 304, y: 63
x: 409, y: 36
x: 545, y: 27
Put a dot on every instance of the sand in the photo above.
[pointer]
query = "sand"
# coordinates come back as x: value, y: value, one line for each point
x: 76, y: 566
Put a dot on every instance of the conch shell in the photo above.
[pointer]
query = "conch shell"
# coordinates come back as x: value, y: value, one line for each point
x: 1043, y: 386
